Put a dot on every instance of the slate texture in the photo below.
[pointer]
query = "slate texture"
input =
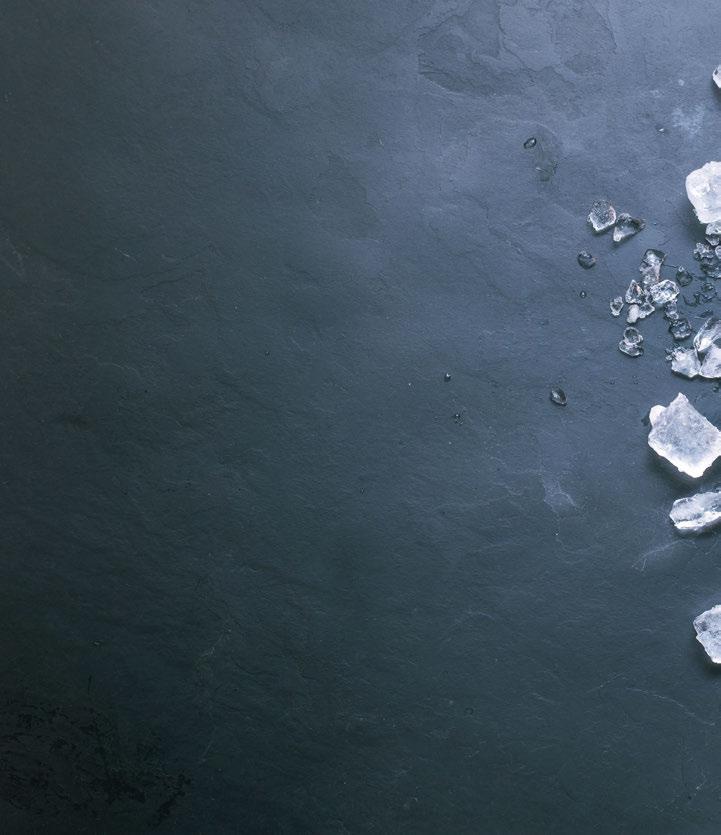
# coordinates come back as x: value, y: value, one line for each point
x: 263, y: 569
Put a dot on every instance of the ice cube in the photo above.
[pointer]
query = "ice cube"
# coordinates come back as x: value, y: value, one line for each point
x: 684, y: 361
x: 684, y: 437
x: 708, y: 632
x: 602, y: 216
x: 616, y: 306
x: 635, y: 293
x: 670, y: 311
x: 703, y: 187
x: 626, y: 226
x: 698, y: 513
x: 633, y: 314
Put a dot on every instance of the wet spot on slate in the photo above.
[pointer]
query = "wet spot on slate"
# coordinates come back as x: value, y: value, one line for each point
x: 72, y: 763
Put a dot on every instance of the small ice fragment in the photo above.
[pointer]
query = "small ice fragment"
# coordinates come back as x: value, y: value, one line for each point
x: 670, y: 311
x: 645, y: 309
x: 684, y: 437
x: 650, y: 268
x: 585, y: 259
x: 680, y: 330
x: 558, y: 396
x: 698, y: 513
x: 708, y: 632
x: 685, y: 362
x: 602, y: 216
x: 716, y: 75
x: 711, y: 365
x: 703, y: 188
x: 683, y: 277
x: 632, y: 343
x: 664, y: 291
x: 626, y: 226
x: 635, y: 293
x: 530, y: 143
x: 447, y: 377
x: 633, y: 314
x: 616, y: 306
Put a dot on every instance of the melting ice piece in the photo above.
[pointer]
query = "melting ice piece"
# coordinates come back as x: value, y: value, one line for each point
x: 650, y: 268
x: 716, y: 75
x: 670, y: 311
x: 558, y: 396
x: 683, y: 277
x: 697, y: 513
x: 684, y: 361
x: 602, y: 216
x: 684, y: 437
x: 585, y: 259
x: 646, y: 309
x: 616, y: 306
x: 632, y: 343
x: 703, y: 187
x: 680, y: 330
x: 626, y: 226
x: 664, y: 291
x: 633, y: 314
x: 708, y: 632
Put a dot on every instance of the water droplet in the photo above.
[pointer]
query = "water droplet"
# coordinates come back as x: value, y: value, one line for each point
x: 585, y: 259
x: 458, y: 418
x: 558, y: 396
x: 582, y: 294
x: 446, y: 376
x: 530, y: 143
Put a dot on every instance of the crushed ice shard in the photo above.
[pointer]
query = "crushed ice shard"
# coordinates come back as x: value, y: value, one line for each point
x: 626, y: 226
x: 664, y: 291
x: 698, y: 513
x: 585, y: 259
x: 602, y: 216
x: 703, y: 188
x: 685, y: 362
x: 716, y: 75
x: 650, y: 268
x: 680, y: 329
x: 616, y: 306
x: 684, y: 437
x: 632, y: 343
x: 708, y: 632
x: 707, y: 344
x: 683, y: 277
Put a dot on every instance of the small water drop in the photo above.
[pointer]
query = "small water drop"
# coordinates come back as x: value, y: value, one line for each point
x: 582, y: 294
x: 558, y: 396
x: 447, y: 377
x: 530, y: 143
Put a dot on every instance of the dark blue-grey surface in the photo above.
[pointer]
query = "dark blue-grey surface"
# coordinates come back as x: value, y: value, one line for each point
x: 255, y: 575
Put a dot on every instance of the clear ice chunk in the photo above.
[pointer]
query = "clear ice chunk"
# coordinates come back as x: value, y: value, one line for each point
x: 711, y: 365
x: 684, y: 361
x: 616, y: 305
x: 650, y: 268
x: 664, y: 291
x: 602, y: 216
x: 585, y: 259
x: 698, y: 513
x: 645, y: 309
x: 633, y: 314
x: 708, y: 632
x: 680, y: 330
x: 558, y: 396
x: 716, y: 75
x: 703, y: 188
x: 670, y: 311
x: 709, y: 334
x: 632, y: 343
x: 684, y: 437
x: 626, y: 226
x: 714, y: 228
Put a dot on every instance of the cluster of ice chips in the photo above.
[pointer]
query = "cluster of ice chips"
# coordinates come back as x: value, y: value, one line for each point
x: 679, y: 433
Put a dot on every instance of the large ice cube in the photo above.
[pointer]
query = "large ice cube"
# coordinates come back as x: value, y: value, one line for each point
x: 698, y: 513
x: 684, y: 437
x: 703, y: 187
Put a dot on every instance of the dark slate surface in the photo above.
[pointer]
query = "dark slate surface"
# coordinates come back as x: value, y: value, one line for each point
x: 255, y: 575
